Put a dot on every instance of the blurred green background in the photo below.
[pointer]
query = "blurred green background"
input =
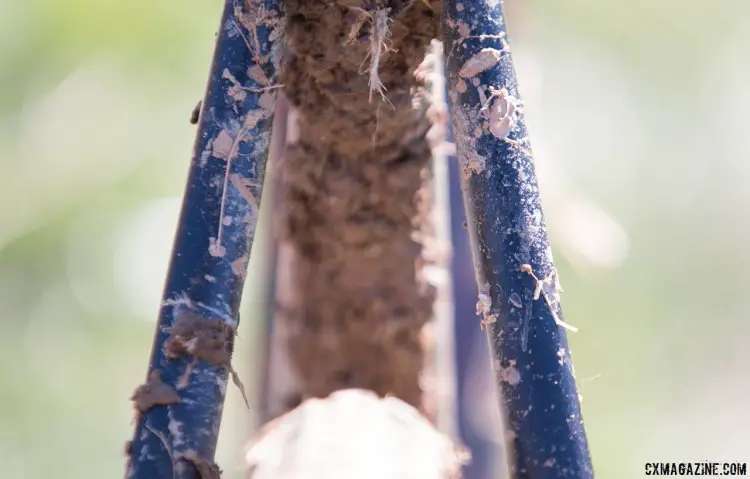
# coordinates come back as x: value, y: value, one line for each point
x: 637, y: 112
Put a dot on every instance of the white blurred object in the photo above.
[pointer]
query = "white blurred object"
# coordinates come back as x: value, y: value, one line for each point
x: 351, y: 434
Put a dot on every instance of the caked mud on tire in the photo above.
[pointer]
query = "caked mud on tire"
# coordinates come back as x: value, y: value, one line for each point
x: 355, y: 194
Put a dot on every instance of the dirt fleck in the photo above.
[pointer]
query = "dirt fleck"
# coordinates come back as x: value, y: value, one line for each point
x: 207, y: 339
x: 453, y: 95
x: 267, y: 101
x: 257, y: 74
x: 221, y: 147
x: 510, y: 374
x: 487, y: 321
x: 472, y: 163
x: 481, y: 61
x: 211, y: 340
x: 235, y: 91
x: 239, y: 266
x: 252, y: 118
x: 484, y: 303
x: 215, y: 249
x: 463, y: 29
x: 153, y: 393
x: 207, y: 469
x: 245, y: 187
x: 354, y: 184
x: 502, y: 114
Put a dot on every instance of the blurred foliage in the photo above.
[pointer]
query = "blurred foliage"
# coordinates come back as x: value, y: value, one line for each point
x: 639, y: 107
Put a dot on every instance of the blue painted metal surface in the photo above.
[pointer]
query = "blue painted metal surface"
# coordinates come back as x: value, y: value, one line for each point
x: 483, y: 450
x: 471, y: 348
x: 518, y: 287
x: 212, y: 245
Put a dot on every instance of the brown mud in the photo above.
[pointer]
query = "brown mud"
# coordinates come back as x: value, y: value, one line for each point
x: 153, y: 393
x: 206, y: 469
x: 203, y: 338
x: 356, y: 194
x: 211, y: 340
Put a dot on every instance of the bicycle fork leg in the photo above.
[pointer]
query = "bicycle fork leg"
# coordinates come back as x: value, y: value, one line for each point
x: 179, y: 408
x: 518, y: 286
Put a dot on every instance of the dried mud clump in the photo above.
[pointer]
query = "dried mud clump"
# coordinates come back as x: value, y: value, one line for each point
x: 210, y: 340
x: 355, y: 187
x: 206, y: 469
x: 153, y: 393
